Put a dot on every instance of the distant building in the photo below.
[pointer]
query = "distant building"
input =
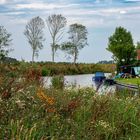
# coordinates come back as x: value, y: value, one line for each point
x: 106, y: 62
x: 138, y: 54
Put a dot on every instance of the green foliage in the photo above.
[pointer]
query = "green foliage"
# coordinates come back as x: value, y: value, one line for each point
x: 78, y: 35
x: 56, y: 25
x: 68, y: 47
x: 29, y: 111
x: 138, y: 45
x: 34, y: 34
x: 122, y: 47
x: 4, y: 42
x: 32, y: 112
x: 49, y: 68
x: 78, y: 40
x: 45, y: 72
x: 12, y: 74
x: 58, y: 82
x: 131, y: 81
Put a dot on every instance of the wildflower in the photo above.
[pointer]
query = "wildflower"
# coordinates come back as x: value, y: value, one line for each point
x: 50, y: 100
x: 20, y: 104
x: 41, y: 95
x: 105, y: 126
x: 51, y: 110
x: 45, y: 98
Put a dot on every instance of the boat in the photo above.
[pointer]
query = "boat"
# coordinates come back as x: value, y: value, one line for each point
x: 128, y: 71
x: 99, y: 77
x: 109, y: 82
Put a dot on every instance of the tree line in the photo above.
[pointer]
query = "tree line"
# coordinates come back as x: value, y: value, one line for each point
x: 56, y: 25
x: 120, y: 44
x: 34, y: 32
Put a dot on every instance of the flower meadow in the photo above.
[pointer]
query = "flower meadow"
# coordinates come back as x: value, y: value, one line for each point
x: 28, y: 111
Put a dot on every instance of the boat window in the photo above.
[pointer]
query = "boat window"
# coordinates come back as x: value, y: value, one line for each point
x: 137, y: 70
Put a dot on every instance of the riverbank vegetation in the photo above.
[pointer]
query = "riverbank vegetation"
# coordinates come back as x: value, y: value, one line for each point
x: 131, y: 81
x: 51, y: 68
x: 29, y: 111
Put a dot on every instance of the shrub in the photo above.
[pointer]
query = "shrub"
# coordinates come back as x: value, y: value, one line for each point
x: 45, y: 72
x: 58, y: 81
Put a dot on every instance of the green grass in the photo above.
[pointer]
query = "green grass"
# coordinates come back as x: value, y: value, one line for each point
x: 132, y: 81
x: 30, y: 112
x: 72, y: 115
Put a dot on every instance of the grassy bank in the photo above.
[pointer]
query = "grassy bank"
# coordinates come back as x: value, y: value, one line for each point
x: 131, y: 81
x: 50, y: 68
x: 30, y: 112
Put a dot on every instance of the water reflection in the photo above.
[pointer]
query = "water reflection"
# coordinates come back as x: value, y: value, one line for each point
x: 81, y: 81
x: 105, y: 89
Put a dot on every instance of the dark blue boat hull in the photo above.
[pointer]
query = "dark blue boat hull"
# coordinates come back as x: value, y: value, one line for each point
x: 98, y: 79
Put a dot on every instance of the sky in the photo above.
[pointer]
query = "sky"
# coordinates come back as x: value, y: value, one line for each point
x: 100, y: 17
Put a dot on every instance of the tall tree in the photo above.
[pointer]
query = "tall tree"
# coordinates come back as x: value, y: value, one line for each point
x: 122, y: 47
x: 138, y: 46
x: 56, y: 24
x: 5, y: 41
x: 138, y: 53
x: 78, y: 40
x: 34, y: 33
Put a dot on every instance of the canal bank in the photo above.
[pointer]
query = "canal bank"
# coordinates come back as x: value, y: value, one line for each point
x: 130, y: 88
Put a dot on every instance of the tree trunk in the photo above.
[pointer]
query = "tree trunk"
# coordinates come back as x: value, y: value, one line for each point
x: 52, y: 53
x: 75, y: 57
x: 33, y: 56
x: 53, y: 49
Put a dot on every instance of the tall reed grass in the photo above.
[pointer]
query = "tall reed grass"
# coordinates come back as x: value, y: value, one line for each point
x: 30, y: 112
x: 51, y: 69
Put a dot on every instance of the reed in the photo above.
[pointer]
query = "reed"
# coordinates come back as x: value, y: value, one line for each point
x: 32, y: 112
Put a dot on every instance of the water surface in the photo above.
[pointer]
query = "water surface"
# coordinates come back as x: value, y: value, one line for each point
x: 81, y: 81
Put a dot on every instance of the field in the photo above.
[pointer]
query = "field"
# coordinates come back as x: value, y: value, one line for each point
x: 28, y: 111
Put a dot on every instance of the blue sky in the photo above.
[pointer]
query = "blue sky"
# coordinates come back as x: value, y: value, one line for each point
x: 101, y: 17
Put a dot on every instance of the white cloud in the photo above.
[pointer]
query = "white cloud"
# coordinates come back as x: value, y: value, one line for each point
x: 3, y: 1
x: 43, y: 6
x: 88, y: 15
x: 110, y: 12
x: 14, y: 13
x: 100, y: 18
x: 18, y: 21
x: 73, y: 9
x: 123, y: 12
x: 93, y: 22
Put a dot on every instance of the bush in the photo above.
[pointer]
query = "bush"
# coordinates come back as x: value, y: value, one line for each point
x: 58, y: 81
x: 45, y: 72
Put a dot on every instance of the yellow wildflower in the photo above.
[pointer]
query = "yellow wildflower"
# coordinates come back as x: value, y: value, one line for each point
x: 50, y: 100
x: 45, y: 98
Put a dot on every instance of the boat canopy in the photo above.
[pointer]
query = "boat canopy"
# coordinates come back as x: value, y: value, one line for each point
x: 101, y: 74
